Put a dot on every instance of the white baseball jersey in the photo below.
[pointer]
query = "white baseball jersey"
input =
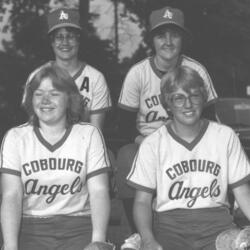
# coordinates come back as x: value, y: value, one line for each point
x: 54, y: 177
x: 141, y: 89
x: 190, y: 175
x: 92, y: 86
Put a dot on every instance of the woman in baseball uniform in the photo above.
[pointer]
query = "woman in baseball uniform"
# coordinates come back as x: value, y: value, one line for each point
x: 64, y: 32
x: 54, y: 171
x: 139, y: 98
x: 184, y: 170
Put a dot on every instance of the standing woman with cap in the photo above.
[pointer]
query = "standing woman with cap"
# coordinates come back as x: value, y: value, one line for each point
x: 54, y: 171
x: 139, y: 98
x: 64, y: 31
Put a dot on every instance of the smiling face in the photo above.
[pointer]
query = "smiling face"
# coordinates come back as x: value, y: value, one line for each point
x: 183, y: 95
x: 167, y: 42
x: 65, y: 43
x: 186, y: 107
x: 50, y: 104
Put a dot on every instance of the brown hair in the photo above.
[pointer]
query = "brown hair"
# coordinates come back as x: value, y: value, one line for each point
x: 62, y: 81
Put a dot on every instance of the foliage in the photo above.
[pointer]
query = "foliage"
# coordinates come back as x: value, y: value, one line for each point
x: 220, y: 30
x: 221, y: 37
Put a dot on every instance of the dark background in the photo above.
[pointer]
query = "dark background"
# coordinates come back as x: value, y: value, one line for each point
x: 220, y: 28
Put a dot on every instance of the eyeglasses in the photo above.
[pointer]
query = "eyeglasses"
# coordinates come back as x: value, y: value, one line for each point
x: 71, y: 38
x: 178, y: 100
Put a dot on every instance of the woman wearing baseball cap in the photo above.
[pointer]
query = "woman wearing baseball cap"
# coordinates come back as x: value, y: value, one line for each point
x: 64, y: 31
x: 139, y: 98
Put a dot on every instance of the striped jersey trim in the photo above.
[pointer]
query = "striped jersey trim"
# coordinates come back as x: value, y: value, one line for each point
x: 10, y: 171
x: 99, y: 171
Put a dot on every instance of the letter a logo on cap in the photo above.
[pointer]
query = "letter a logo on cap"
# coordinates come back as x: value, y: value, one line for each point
x: 168, y: 14
x: 63, y: 16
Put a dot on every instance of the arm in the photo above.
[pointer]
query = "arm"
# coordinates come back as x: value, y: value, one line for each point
x: 143, y: 220
x: 98, y: 119
x: 11, y: 209
x: 242, y: 196
x: 100, y: 205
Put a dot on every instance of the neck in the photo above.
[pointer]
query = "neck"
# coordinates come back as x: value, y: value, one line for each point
x: 165, y: 65
x: 52, y: 134
x: 72, y: 66
x: 52, y: 130
x: 185, y: 132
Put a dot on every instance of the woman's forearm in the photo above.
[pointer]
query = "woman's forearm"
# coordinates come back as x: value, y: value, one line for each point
x: 143, y: 220
x: 11, y: 210
x: 242, y: 196
x: 100, y: 212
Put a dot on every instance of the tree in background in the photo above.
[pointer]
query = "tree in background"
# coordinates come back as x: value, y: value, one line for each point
x: 220, y: 29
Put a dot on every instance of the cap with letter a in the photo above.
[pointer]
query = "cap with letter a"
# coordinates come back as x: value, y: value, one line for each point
x: 167, y: 16
x: 63, y: 17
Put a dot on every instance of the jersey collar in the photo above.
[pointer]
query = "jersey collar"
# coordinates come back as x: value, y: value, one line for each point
x: 158, y: 72
x: 46, y: 144
x: 188, y: 145
x: 79, y: 72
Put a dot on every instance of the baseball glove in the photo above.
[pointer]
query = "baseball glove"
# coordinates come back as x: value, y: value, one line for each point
x: 226, y: 239
x: 243, y: 239
x: 234, y: 239
x: 99, y: 245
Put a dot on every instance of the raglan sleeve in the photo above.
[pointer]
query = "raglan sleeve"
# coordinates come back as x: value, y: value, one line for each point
x: 239, y: 166
x: 97, y: 156
x: 143, y: 172
x: 212, y: 95
x: 129, y: 98
x: 101, y: 96
x: 202, y: 71
x: 9, y: 157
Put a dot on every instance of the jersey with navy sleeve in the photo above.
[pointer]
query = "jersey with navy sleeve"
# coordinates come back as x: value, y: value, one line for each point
x: 54, y: 177
x: 141, y: 90
x: 92, y: 86
x: 190, y: 175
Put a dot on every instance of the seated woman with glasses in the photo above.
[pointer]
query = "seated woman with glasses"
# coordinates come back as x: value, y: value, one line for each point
x: 184, y: 170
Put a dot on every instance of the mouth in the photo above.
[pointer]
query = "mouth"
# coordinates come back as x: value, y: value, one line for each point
x: 189, y: 113
x: 46, y: 109
x: 65, y: 49
x: 168, y: 48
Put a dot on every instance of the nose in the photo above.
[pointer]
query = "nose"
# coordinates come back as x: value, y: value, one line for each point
x: 188, y: 102
x: 168, y: 38
x: 65, y: 39
x: 45, y: 99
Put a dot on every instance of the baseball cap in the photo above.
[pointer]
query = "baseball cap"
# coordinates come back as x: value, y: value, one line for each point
x: 167, y: 16
x: 63, y: 17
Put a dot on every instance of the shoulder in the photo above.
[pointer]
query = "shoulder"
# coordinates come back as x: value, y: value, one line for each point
x: 221, y: 129
x: 192, y: 63
x: 86, y: 128
x: 141, y: 65
x: 92, y: 70
x: 19, y: 132
x: 157, y: 136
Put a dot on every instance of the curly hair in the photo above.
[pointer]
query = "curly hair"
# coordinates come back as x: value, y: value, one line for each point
x: 62, y: 81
